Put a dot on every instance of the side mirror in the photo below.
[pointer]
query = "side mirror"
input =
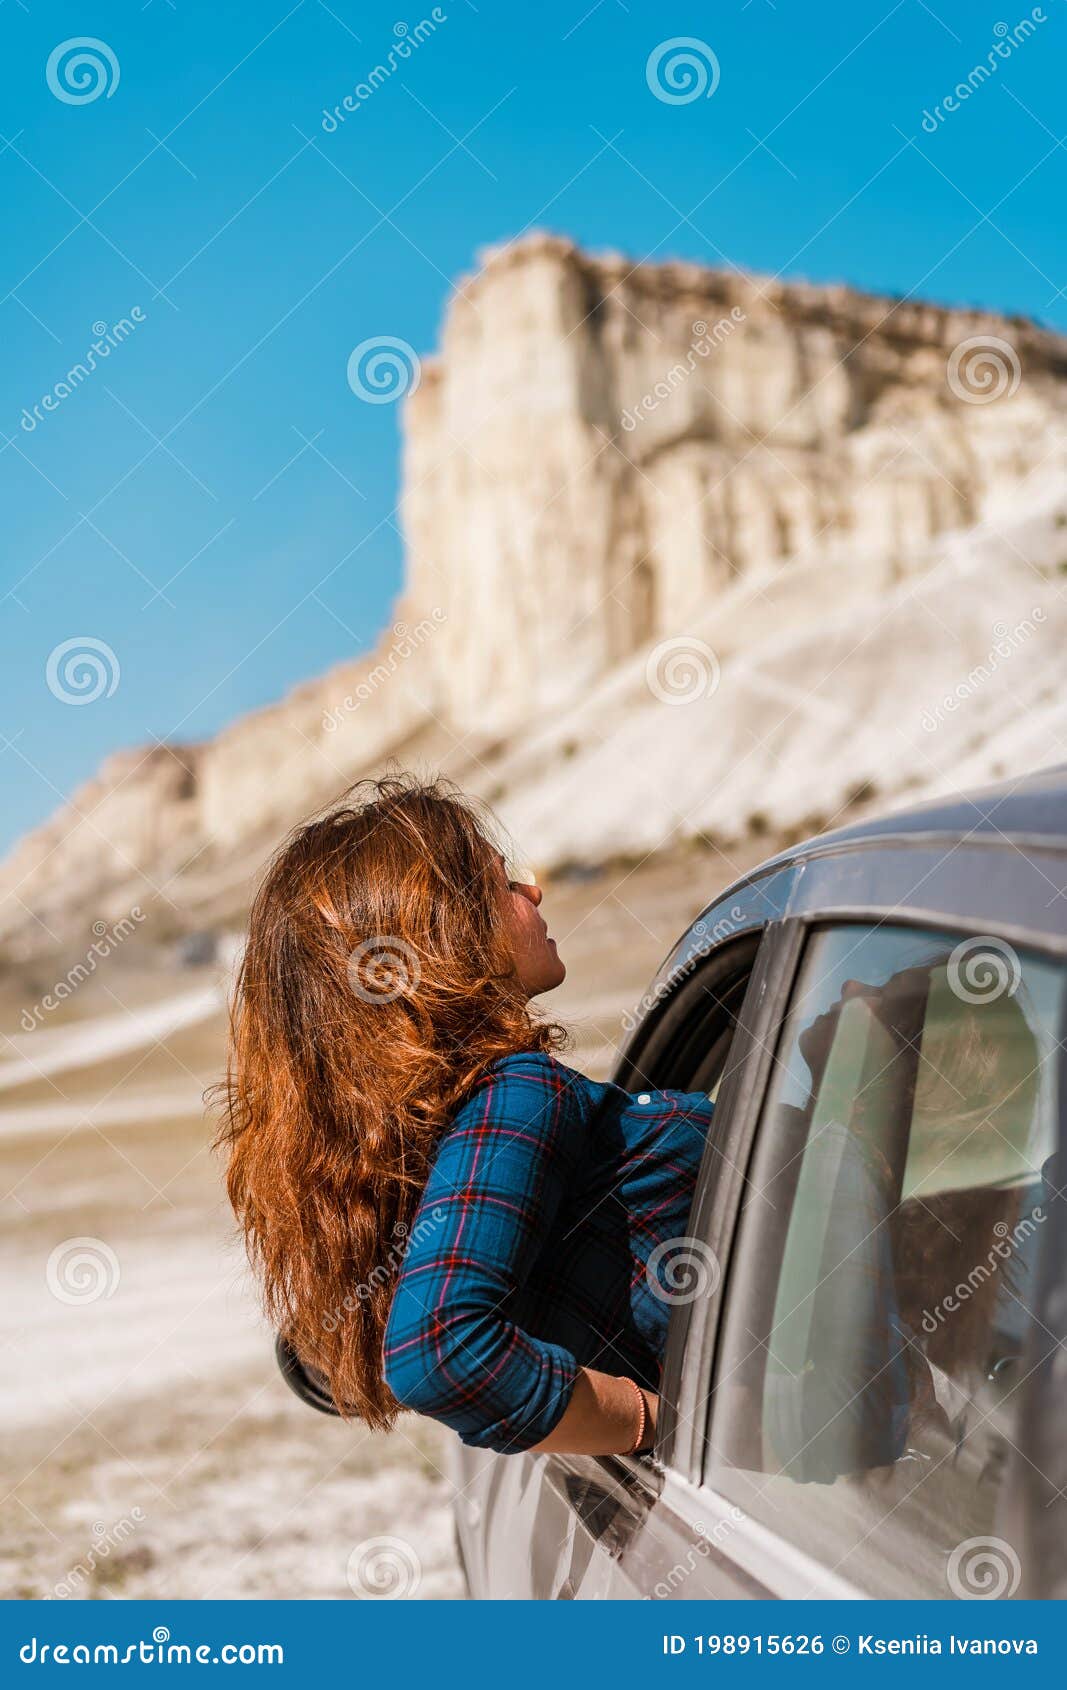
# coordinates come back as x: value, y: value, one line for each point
x: 307, y: 1383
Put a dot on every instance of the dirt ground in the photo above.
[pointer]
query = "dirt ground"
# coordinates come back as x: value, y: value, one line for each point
x: 151, y: 1447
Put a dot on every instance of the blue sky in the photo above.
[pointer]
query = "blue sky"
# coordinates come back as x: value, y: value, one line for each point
x: 213, y: 502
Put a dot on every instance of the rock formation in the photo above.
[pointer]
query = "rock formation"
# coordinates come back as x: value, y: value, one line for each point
x: 603, y: 449
x: 615, y: 475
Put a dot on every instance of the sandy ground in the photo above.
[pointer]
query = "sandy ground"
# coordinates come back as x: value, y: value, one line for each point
x: 151, y: 1448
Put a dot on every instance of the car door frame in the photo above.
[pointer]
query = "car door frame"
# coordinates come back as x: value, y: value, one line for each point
x: 693, y: 1328
x: 746, y: 920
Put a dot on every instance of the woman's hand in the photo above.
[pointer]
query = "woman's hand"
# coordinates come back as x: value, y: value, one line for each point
x: 602, y: 1418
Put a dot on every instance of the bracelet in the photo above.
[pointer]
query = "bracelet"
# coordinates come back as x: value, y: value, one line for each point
x: 642, y: 1419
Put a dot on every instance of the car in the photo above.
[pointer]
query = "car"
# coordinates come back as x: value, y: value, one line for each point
x: 864, y: 1380
x: 866, y: 1362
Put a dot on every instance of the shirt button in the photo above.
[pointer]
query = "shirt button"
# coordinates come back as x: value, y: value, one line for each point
x: 645, y: 1097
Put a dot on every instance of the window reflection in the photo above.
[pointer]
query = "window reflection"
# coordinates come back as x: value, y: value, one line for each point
x: 879, y: 1307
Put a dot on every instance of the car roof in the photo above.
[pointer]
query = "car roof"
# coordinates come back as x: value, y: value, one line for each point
x: 1031, y: 807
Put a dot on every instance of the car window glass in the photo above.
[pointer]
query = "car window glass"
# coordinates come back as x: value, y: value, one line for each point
x: 879, y: 1298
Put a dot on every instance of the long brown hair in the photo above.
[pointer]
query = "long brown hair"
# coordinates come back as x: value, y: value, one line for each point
x: 376, y: 986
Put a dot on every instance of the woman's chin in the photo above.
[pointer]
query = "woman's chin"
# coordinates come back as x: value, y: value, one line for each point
x: 549, y: 977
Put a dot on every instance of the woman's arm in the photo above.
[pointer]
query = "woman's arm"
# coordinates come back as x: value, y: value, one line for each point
x: 602, y: 1418
x: 490, y: 1205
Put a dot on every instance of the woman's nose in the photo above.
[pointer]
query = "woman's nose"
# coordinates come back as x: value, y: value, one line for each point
x: 529, y: 890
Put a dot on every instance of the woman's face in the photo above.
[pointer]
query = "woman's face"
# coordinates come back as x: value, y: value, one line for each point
x: 538, y: 967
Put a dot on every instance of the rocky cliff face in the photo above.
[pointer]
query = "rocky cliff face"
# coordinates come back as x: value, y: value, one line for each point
x: 616, y: 477
x: 603, y: 450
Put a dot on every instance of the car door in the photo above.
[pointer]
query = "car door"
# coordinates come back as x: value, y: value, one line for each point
x: 555, y: 1526
x: 864, y: 1366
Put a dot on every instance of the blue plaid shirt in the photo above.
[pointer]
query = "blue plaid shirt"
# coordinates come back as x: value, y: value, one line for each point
x: 551, y: 1236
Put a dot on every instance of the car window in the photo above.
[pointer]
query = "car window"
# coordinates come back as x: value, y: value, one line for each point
x: 691, y: 1023
x: 878, y: 1299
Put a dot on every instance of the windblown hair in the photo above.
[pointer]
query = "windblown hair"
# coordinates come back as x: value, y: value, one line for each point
x: 376, y: 987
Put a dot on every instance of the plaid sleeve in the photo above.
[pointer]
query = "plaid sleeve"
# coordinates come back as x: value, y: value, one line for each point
x: 490, y: 1202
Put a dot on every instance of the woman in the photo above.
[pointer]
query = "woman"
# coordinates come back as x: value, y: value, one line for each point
x: 442, y: 1215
